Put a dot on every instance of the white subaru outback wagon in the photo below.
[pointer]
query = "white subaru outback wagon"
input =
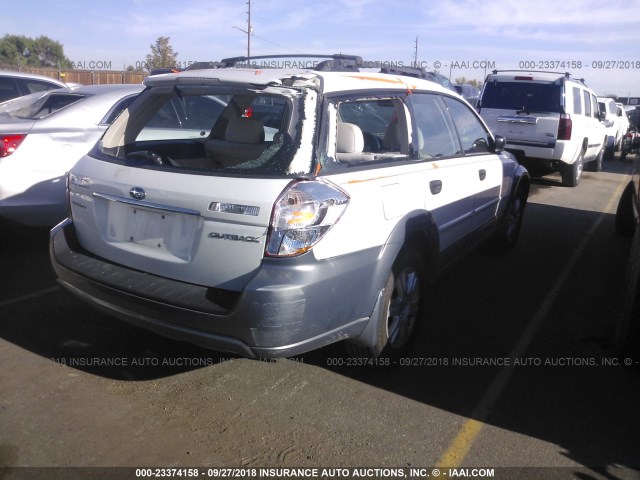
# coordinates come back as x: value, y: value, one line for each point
x: 271, y: 212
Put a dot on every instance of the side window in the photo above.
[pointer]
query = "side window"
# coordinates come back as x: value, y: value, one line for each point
x: 587, y: 103
x: 435, y: 134
x: 577, y: 101
x: 594, y: 106
x: 52, y: 104
x: 381, y: 123
x: 612, y: 108
x: 8, y: 89
x: 39, y: 86
x: 474, y: 137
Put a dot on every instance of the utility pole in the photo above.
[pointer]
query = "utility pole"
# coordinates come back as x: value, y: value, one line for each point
x: 415, y: 53
x: 248, y: 31
x: 249, y: 27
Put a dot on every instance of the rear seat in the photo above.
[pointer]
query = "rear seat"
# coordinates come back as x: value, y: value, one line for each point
x: 350, y: 143
x: 244, y: 140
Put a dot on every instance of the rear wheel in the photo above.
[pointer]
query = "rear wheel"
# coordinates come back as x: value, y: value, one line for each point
x: 397, y: 321
x: 595, y: 165
x: 571, y: 173
x: 508, y: 233
x: 609, y: 149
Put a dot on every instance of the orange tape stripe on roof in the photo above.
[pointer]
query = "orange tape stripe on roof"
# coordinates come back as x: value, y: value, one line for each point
x: 377, y: 79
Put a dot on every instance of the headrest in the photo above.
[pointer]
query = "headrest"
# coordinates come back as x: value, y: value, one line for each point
x: 349, y: 139
x: 244, y: 130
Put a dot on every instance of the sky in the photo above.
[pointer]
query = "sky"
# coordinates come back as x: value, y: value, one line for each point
x: 595, y: 40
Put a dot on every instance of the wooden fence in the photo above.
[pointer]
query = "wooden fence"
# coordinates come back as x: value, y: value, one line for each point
x: 83, y: 77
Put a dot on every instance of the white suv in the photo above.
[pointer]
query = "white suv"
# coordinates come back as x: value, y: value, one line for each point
x: 612, y: 120
x: 549, y: 120
x: 271, y: 212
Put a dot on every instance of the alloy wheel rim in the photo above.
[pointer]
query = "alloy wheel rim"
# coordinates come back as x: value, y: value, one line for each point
x: 403, y: 307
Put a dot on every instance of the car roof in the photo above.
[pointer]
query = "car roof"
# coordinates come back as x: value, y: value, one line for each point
x: 33, y: 76
x: 533, y: 75
x: 328, y: 81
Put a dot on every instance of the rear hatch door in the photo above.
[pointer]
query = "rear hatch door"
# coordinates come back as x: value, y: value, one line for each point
x: 525, y: 112
x: 202, y: 229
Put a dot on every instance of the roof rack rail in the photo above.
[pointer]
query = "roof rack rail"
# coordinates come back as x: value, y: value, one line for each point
x: 417, y: 72
x: 567, y: 75
x: 331, y: 63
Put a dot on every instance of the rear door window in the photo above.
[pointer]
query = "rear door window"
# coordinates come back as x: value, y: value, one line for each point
x: 527, y: 96
x: 435, y: 133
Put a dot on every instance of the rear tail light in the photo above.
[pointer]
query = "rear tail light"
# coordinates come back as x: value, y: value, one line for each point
x: 10, y: 143
x: 565, y: 127
x: 302, y: 215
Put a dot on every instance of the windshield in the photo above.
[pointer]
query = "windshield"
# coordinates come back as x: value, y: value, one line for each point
x: 208, y: 130
x: 523, y: 96
x: 37, y: 105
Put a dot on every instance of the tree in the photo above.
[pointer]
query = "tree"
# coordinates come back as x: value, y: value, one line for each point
x: 162, y: 55
x: 463, y: 80
x: 39, y: 52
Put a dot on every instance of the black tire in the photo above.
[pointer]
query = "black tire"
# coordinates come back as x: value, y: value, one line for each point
x: 609, y: 149
x: 508, y: 232
x: 626, y: 214
x: 398, y: 320
x: 595, y: 165
x: 627, y: 329
x: 571, y: 173
x: 623, y: 155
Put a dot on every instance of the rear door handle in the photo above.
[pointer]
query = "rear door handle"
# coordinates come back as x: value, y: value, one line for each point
x: 482, y: 174
x: 435, y: 186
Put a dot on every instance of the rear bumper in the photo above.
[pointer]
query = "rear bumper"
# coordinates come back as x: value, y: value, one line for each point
x: 289, y: 307
x: 551, y: 155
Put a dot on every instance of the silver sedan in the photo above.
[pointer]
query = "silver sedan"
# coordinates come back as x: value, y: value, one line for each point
x: 42, y: 135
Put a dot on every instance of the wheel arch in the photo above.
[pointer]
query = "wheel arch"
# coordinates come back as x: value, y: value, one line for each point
x: 416, y: 229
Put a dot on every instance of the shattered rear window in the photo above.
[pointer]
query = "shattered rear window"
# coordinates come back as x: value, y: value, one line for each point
x: 38, y: 105
x: 210, y: 130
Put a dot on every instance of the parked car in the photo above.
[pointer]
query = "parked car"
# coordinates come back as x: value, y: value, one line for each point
x: 627, y: 331
x: 315, y: 207
x: 624, y: 118
x: 468, y: 92
x: 550, y: 121
x: 16, y: 84
x: 630, y: 143
x: 612, y: 120
x: 42, y: 135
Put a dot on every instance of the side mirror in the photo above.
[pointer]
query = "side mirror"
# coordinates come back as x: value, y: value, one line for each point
x: 500, y: 142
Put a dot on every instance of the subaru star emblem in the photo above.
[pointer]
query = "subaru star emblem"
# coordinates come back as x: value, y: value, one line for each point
x: 137, y: 193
